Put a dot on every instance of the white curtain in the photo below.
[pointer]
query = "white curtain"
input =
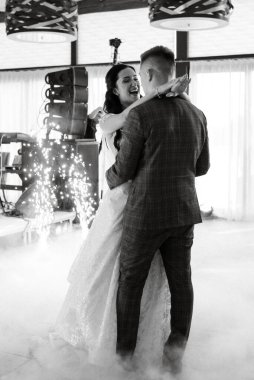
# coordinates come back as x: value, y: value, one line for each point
x: 21, y: 100
x: 96, y: 85
x: 22, y: 97
x: 224, y: 90
x: 22, y: 103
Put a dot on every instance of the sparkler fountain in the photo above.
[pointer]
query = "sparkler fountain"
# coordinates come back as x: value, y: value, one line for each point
x: 55, y: 174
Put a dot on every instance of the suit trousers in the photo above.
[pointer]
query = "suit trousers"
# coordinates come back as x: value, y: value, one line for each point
x: 138, y: 248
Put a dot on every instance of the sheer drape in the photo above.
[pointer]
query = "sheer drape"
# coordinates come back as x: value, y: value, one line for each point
x: 224, y: 90
x: 21, y: 100
x: 22, y: 97
x: 96, y: 85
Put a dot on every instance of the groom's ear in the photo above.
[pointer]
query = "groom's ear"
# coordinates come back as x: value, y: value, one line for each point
x: 149, y: 74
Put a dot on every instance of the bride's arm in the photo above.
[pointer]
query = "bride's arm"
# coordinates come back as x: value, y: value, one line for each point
x: 115, y: 121
x: 112, y: 123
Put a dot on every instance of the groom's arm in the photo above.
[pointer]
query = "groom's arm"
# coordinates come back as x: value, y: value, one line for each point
x: 203, y: 161
x: 131, y: 147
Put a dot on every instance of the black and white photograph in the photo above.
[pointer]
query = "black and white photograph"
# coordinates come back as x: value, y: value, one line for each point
x: 126, y: 189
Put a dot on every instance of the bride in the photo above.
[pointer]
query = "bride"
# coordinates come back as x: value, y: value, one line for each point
x: 87, y: 319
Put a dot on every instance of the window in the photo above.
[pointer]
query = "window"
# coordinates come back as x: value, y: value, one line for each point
x: 224, y: 91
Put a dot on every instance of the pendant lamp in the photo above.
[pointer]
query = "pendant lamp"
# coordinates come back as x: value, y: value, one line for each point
x: 41, y: 21
x: 187, y: 15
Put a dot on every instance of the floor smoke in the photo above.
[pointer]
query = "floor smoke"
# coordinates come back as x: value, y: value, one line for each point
x: 221, y: 345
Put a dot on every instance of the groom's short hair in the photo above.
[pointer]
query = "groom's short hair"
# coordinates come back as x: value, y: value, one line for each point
x: 160, y: 53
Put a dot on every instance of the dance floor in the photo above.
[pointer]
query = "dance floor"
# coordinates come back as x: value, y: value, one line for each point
x: 33, y: 285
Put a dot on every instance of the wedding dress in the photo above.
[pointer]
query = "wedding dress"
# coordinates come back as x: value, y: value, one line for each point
x: 87, y: 319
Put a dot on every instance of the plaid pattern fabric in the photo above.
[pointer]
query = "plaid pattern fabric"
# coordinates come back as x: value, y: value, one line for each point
x: 164, y: 146
x: 137, y: 251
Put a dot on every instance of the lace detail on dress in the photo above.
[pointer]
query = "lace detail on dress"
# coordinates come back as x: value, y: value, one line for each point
x: 154, y: 324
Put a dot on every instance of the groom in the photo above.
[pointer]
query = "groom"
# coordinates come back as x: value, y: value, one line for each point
x: 164, y: 147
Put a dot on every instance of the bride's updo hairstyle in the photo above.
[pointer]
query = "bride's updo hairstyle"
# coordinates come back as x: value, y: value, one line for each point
x: 112, y: 102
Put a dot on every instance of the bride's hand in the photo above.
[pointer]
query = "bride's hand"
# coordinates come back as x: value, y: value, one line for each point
x: 96, y: 114
x: 180, y: 85
x: 174, y: 86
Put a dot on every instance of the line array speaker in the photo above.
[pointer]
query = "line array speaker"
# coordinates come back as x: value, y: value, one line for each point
x: 67, y: 101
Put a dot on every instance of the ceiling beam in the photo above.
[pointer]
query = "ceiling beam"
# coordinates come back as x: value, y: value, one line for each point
x: 93, y: 6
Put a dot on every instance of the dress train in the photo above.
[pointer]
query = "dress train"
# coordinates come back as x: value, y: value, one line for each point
x: 87, y: 319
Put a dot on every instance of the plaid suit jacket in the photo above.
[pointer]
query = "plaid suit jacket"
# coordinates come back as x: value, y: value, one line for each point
x: 163, y: 147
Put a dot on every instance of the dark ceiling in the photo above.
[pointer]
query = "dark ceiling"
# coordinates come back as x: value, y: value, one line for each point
x: 93, y: 6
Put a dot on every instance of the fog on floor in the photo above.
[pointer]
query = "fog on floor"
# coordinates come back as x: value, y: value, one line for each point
x: 33, y: 285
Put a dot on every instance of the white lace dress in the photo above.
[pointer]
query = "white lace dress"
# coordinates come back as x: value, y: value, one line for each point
x: 87, y: 319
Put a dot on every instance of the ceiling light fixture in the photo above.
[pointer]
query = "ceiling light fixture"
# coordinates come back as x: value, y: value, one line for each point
x: 41, y: 21
x: 187, y: 15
